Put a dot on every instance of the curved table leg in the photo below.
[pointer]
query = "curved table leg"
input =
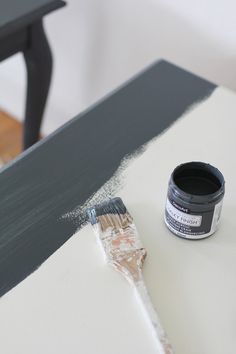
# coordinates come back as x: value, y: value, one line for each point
x: 38, y: 59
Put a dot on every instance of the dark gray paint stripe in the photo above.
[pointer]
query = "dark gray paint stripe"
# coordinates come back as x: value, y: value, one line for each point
x: 65, y: 170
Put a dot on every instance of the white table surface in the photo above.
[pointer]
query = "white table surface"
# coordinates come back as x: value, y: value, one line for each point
x: 192, y: 283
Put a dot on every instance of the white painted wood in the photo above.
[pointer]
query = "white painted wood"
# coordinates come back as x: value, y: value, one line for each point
x: 75, y: 303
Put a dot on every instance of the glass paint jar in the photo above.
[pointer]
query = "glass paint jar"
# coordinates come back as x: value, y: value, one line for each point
x: 194, y: 200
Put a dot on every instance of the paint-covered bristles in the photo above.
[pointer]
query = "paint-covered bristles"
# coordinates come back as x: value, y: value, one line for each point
x: 111, y: 206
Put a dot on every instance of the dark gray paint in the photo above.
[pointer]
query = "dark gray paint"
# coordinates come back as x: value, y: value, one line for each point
x: 16, y: 14
x: 66, y: 169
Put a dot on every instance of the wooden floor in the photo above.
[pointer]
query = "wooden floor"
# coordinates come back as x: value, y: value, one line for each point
x: 10, y: 137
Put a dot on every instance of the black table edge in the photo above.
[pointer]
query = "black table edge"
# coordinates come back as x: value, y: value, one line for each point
x: 26, y: 20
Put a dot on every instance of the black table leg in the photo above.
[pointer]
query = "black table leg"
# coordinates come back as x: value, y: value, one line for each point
x: 38, y: 59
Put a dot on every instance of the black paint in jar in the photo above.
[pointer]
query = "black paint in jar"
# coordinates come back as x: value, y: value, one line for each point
x: 194, y: 200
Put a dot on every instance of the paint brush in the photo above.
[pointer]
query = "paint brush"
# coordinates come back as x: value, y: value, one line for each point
x: 122, y: 246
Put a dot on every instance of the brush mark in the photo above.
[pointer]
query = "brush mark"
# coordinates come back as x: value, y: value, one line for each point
x: 108, y: 190
x: 70, y: 166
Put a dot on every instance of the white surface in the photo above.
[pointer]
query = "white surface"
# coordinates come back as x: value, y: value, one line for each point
x: 99, y: 44
x: 75, y: 303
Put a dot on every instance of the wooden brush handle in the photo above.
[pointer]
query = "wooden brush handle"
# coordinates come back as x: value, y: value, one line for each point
x: 158, y: 331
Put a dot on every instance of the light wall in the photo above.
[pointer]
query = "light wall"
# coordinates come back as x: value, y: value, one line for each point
x: 97, y: 45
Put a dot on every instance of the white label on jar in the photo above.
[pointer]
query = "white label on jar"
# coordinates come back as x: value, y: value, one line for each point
x: 216, y: 216
x: 183, y: 218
